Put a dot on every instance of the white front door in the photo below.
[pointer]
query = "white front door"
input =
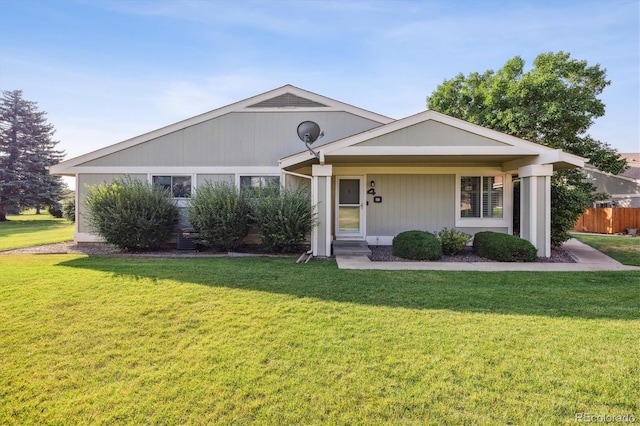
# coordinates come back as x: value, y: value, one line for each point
x: 349, y: 207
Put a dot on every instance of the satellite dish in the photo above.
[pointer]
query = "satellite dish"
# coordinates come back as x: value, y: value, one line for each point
x: 309, y: 132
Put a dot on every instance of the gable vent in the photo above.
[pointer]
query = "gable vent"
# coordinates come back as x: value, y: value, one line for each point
x: 287, y: 100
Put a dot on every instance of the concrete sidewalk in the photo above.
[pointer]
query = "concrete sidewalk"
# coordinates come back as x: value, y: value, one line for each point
x: 586, y: 257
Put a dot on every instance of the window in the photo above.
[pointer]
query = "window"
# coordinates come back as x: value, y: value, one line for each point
x: 481, y: 196
x: 180, y: 186
x: 254, y: 182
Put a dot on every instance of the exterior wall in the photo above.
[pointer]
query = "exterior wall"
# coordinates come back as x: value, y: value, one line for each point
x: 235, y: 139
x: 293, y: 183
x: 439, y: 135
x: 201, y: 179
x: 424, y: 202
x: 93, y: 179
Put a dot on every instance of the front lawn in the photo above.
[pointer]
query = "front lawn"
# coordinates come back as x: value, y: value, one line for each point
x: 97, y: 340
x: 29, y: 229
x: 624, y: 249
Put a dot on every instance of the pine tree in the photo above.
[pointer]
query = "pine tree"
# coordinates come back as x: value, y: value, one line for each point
x: 27, y: 149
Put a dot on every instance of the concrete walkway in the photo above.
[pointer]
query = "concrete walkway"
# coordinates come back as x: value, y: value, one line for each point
x: 586, y: 257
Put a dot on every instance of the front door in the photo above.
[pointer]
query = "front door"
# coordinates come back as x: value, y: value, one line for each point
x: 349, y: 208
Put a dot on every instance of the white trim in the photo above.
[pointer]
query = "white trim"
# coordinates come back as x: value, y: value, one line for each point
x: 328, y: 227
x: 533, y: 211
x: 535, y: 170
x: 363, y: 213
x: 314, y: 204
x: 547, y: 216
x: 466, y: 151
x: 86, y: 237
x: 179, y: 170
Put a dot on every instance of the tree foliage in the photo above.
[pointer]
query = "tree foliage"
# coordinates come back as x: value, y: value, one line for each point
x: 553, y: 104
x: 27, y: 149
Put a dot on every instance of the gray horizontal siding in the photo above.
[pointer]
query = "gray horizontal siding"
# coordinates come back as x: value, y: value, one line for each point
x: 431, y: 133
x: 424, y: 202
x: 236, y: 139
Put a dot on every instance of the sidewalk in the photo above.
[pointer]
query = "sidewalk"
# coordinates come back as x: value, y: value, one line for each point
x: 586, y: 257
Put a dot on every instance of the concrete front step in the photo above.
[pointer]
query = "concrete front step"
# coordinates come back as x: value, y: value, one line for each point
x: 351, y: 248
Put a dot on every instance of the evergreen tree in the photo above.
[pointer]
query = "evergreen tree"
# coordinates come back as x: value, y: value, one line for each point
x: 553, y: 104
x: 27, y: 149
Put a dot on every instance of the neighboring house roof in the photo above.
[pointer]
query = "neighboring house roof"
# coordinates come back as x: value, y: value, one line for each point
x: 633, y: 160
x: 285, y: 98
x: 480, y: 145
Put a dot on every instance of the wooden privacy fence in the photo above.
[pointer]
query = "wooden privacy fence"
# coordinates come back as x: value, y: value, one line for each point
x: 608, y: 220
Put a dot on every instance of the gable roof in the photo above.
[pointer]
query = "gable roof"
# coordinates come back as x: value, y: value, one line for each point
x: 284, y: 98
x: 508, y: 147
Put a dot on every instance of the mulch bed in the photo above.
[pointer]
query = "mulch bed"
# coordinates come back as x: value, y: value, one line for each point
x: 378, y: 254
x: 383, y: 254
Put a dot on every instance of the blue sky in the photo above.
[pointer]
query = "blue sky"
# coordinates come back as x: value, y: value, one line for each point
x: 106, y: 71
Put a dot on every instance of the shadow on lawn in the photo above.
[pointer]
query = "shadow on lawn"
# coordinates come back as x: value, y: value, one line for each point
x: 610, y: 295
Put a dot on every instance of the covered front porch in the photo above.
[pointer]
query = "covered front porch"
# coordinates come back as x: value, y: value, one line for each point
x: 428, y: 172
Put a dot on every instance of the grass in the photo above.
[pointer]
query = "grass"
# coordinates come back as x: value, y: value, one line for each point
x: 624, y: 249
x: 106, y: 340
x: 29, y: 229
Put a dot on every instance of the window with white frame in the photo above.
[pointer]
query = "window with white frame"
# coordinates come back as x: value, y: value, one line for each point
x: 481, y: 196
x: 180, y: 186
x: 263, y: 182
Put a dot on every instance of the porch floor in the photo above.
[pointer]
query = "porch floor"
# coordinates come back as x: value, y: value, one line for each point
x: 351, y: 248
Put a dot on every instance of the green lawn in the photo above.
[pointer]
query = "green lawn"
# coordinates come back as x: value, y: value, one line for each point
x: 624, y: 249
x: 29, y: 229
x: 112, y: 340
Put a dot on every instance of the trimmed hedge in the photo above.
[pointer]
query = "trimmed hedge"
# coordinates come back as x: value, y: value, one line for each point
x: 416, y: 245
x: 504, y: 247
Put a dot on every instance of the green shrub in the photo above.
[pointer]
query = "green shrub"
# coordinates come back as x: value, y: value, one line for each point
x: 131, y: 214
x: 503, y: 247
x: 69, y: 210
x: 453, y: 241
x: 416, y: 245
x: 219, y: 214
x: 55, y: 210
x: 285, y: 219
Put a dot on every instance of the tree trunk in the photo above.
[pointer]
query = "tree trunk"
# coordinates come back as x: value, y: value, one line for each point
x: 37, y: 210
x: 3, y: 213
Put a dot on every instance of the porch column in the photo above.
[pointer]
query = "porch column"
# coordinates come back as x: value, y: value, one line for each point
x: 535, y: 206
x: 321, y: 199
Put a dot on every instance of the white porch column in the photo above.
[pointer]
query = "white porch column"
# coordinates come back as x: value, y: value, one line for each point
x: 535, y: 206
x: 321, y: 198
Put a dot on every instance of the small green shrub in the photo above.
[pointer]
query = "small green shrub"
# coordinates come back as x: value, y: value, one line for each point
x: 416, y: 245
x: 219, y: 214
x: 503, y: 247
x: 131, y: 214
x: 69, y: 210
x: 55, y: 210
x: 453, y: 241
x: 285, y: 219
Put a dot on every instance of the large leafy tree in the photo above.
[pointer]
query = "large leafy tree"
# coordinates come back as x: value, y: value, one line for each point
x: 27, y: 149
x: 552, y: 104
